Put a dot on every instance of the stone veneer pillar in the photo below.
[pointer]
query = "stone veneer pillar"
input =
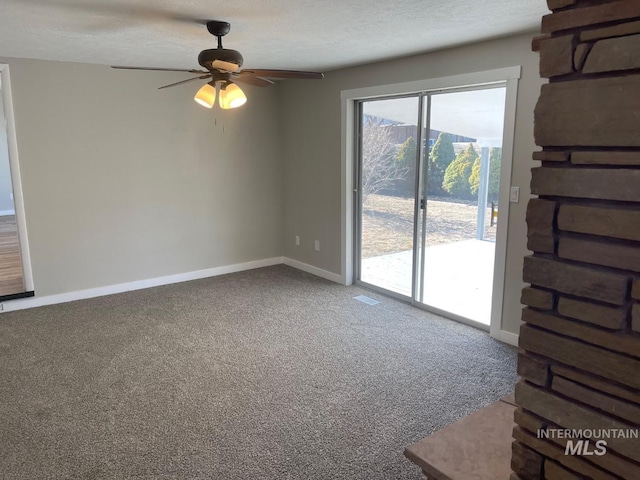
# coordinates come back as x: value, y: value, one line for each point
x: 579, y: 358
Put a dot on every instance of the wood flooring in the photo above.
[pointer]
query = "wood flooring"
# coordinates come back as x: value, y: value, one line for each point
x: 11, y: 277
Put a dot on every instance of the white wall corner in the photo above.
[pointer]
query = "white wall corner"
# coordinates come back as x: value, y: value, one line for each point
x: 318, y: 272
x: 508, y: 338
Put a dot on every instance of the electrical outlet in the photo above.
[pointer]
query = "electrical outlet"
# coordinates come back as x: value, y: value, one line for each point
x: 297, y: 240
x: 317, y: 245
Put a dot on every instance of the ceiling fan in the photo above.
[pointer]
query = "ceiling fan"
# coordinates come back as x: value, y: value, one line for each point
x: 223, y: 68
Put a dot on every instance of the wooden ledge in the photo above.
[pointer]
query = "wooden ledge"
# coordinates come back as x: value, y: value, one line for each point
x: 478, y: 447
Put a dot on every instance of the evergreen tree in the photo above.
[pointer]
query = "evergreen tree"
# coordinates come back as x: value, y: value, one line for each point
x: 406, y: 162
x: 456, y: 176
x: 441, y: 157
x: 495, y: 158
x: 474, y: 178
x: 406, y: 156
x: 495, y: 161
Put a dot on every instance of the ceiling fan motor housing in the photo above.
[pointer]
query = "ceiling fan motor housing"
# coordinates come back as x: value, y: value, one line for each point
x: 207, y: 57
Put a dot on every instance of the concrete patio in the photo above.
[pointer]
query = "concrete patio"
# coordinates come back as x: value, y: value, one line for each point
x: 458, y: 277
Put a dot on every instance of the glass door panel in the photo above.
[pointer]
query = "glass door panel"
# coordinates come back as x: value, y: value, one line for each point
x: 387, y: 185
x: 460, y: 188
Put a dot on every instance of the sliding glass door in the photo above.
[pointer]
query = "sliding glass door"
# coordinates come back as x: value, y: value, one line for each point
x: 387, y: 182
x: 461, y: 188
x: 428, y: 185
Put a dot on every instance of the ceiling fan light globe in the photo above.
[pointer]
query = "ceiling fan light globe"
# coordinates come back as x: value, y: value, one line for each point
x: 232, y: 97
x: 206, y: 96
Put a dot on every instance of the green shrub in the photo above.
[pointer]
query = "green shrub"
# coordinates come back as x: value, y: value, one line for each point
x: 495, y: 161
x: 495, y: 158
x: 405, y: 161
x: 441, y: 157
x: 474, y: 178
x: 406, y: 156
x: 457, y: 174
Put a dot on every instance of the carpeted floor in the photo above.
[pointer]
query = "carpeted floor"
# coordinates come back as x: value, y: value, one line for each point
x: 266, y: 374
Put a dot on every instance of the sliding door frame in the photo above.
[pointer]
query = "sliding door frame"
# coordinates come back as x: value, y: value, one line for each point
x: 420, y: 214
x: 351, y: 101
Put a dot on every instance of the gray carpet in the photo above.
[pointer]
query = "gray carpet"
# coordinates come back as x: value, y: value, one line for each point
x: 266, y: 374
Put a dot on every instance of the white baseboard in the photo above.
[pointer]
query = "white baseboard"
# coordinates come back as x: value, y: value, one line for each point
x: 334, y: 277
x: 137, y: 285
x: 508, y: 338
x: 4, y: 213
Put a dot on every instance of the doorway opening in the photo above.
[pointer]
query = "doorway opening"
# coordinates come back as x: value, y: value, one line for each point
x: 15, y: 270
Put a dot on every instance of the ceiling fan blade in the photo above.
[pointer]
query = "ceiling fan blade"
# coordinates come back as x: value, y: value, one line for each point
x: 159, y: 69
x: 184, y: 81
x: 252, y: 80
x: 284, y: 74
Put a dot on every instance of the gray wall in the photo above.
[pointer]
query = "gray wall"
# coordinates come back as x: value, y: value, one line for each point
x: 311, y: 123
x: 123, y: 182
x: 6, y: 202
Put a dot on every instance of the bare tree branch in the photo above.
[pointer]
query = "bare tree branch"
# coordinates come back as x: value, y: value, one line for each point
x: 379, y: 170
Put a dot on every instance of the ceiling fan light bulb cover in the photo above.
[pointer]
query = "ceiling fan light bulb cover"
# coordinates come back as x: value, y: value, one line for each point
x: 224, y: 58
x: 232, y: 97
x: 226, y: 66
x: 206, y: 96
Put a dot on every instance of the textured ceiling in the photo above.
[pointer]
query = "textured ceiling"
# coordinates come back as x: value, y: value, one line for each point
x: 292, y: 34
